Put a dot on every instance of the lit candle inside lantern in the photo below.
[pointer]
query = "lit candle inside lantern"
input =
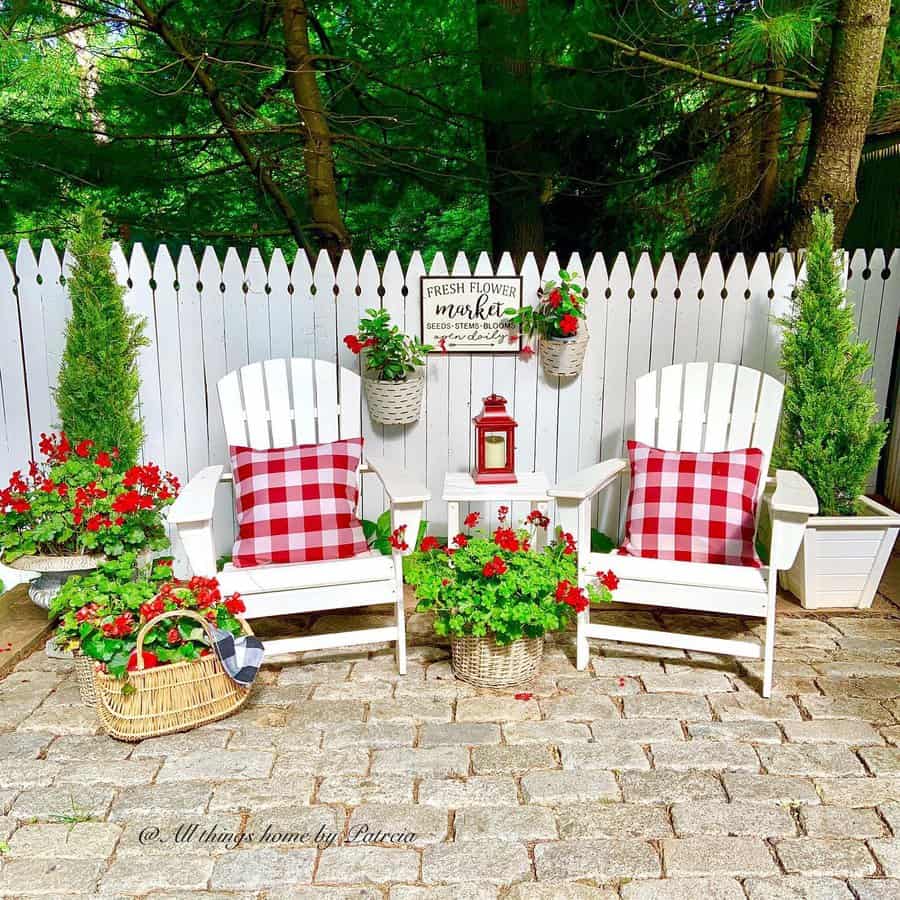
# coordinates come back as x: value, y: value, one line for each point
x: 494, y: 451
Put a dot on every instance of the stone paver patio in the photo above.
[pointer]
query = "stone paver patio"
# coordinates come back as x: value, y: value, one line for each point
x: 652, y: 775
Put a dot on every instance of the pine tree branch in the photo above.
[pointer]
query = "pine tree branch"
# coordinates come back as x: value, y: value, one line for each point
x: 759, y: 88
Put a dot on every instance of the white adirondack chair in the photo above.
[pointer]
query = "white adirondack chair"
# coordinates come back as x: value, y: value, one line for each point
x: 282, y: 403
x: 695, y: 407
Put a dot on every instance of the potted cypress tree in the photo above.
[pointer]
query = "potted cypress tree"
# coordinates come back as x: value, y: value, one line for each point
x: 830, y: 435
x: 77, y: 506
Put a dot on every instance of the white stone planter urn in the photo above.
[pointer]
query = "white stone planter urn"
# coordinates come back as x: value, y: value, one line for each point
x: 842, y: 558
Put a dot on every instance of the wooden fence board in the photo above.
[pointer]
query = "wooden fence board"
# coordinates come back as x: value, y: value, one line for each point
x: 203, y: 321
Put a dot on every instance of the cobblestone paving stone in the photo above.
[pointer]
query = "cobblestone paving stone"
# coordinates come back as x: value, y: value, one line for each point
x: 654, y: 775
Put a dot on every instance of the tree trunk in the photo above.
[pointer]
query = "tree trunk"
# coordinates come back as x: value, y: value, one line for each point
x: 318, y: 154
x: 514, y: 187
x: 842, y: 116
x: 769, y: 144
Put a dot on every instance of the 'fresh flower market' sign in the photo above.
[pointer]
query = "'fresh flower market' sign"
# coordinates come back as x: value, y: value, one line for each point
x: 465, y: 314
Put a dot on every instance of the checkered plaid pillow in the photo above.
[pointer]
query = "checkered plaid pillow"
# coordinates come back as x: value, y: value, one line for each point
x: 695, y: 507
x: 297, y: 504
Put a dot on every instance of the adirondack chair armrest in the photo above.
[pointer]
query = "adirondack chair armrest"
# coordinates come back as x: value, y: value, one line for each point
x: 197, y: 499
x: 584, y: 484
x: 398, y: 485
x: 791, y: 503
x: 793, y: 494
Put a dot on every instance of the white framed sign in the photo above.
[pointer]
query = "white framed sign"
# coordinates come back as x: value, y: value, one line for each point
x: 465, y: 314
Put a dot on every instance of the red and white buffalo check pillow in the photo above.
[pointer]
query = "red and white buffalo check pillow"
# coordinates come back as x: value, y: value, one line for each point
x: 695, y: 507
x: 297, y: 504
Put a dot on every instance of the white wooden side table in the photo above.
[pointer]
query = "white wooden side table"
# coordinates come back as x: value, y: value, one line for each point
x: 460, y: 487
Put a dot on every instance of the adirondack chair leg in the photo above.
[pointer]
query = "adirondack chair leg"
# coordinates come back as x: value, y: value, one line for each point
x: 582, y: 652
x: 400, y: 616
x: 574, y: 517
x: 410, y: 515
x: 769, y: 647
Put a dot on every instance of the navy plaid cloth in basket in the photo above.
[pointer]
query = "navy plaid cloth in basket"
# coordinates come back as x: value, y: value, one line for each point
x: 241, y: 657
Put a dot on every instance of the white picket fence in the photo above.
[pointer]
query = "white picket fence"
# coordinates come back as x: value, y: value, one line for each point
x: 203, y: 321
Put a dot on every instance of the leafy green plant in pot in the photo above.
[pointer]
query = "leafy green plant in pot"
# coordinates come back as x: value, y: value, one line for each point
x: 496, y: 595
x: 558, y: 320
x: 831, y: 436
x: 393, y: 375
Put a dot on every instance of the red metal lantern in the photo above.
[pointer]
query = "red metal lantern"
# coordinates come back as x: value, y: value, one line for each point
x: 495, y: 443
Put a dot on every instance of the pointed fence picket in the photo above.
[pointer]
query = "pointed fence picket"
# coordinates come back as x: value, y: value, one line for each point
x: 206, y: 316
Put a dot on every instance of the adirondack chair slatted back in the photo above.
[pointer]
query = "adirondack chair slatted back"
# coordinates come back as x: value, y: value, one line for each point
x: 703, y: 407
x: 284, y: 402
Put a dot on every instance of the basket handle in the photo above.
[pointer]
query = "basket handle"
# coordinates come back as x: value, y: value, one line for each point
x: 176, y: 614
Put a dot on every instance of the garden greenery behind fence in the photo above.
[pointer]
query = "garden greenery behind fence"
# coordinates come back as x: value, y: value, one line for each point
x: 206, y: 317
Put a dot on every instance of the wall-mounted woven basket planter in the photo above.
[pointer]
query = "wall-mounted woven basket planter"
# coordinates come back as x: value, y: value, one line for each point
x: 564, y: 357
x: 484, y: 662
x: 395, y: 402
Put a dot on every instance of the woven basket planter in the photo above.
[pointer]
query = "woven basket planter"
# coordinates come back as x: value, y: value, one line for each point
x: 168, y: 699
x: 564, y: 357
x: 395, y: 402
x: 484, y: 662
x: 84, y: 672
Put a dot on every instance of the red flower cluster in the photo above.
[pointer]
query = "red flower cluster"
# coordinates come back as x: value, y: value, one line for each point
x: 570, y: 542
x: 396, y: 539
x: 536, y: 517
x: 120, y: 626
x: 460, y: 540
x: 608, y: 579
x: 568, y: 324
x: 502, y: 513
x: 355, y: 345
x: 572, y: 595
x: 494, y: 566
x: 471, y: 520
x: 428, y: 544
x: 555, y: 298
x: 505, y: 539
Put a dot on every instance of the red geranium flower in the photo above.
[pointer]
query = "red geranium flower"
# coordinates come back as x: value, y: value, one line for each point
x: 21, y: 506
x: 505, y: 539
x: 235, y: 605
x: 83, y: 449
x: 568, y: 324
x: 555, y: 298
x: 502, y: 513
x: 471, y: 520
x: 103, y: 460
x: 495, y: 566
x: 536, y: 517
x: 608, y: 579
x: 396, y: 539
x: 460, y: 540
x: 428, y: 544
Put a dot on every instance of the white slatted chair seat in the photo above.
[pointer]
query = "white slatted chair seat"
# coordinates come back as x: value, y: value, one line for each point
x: 283, y: 403
x: 701, y: 408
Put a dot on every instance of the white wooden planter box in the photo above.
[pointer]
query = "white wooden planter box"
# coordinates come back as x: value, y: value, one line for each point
x: 842, y: 558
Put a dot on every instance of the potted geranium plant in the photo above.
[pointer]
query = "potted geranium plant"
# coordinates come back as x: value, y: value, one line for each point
x: 77, y: 508
x: 830, y: 435
x: 496, y: 596
x: 122, y: 623
x: 558, y: 320
x: 393, y: 374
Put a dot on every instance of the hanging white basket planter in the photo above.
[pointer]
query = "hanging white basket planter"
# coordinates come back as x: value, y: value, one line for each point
x: 564, y: 357
x: 395, y: 402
